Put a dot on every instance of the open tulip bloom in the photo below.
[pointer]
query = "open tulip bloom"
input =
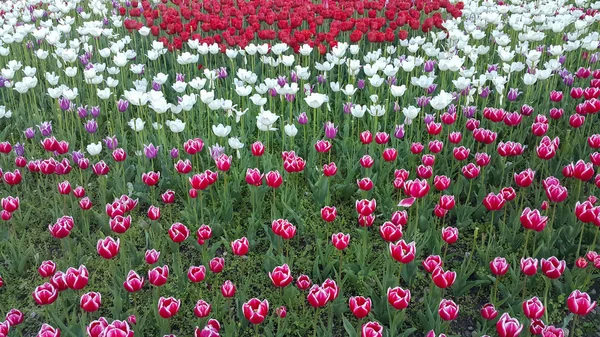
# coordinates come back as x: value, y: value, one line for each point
x: 299, y: 167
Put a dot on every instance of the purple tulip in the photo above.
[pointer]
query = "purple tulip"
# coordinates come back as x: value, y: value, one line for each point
x: 77, y: 155
x: 485, y: 92
x: 64, y: 104
x: 151, y: 151
x: 122, y: 105
x: 399, y: 131
x: 111, y: 142
x: 303, y: 118
x: 216, y: 151
x: 91, y: 126
x: 82, y: 112
x: 95, y: 111
x: 45, y: 128
x: 513, y: 94
x: 360, y: 84
x: 330, y: 130
x: 174, y: 152
x: 19, y: 149
x: 29, y: 133
x: 348, y: 107
x: 429, y: 66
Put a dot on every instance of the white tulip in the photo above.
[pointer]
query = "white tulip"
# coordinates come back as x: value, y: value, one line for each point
x: 94, y: 149
x: 221, y: 130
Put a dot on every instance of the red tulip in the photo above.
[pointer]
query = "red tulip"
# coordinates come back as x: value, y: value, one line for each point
x: 450, y: 235
x: 274, y: 179
x: 254, y: 177
x: 202, y: 309
x: 48, y: 331
x: 482, y: 159
x: 524, y: 178
x: 580, y: 303
x: 447, y: 202
x: 59, y: 281
x: 399, y: 218
x: 359, y: 306
x: 431, y: 263
x: 494, y: 202
x: 196, y: 273
x: 120, y: 224
x: 318, y: 296
x: 303, y: 282
x: 556, y: 96
x: 47, y: 268
x: 154, y: 213
x: 470, y: 171
x: 183, y: 166
x: 281, y: 312
x: 77, y: 279
x: 323, y: 146
x: 216, y: 264
x: 178, y: 232
x: 488, y: 312
x: 366, y: 161
x: 366, y: 220
x: 448, y: 310
x: 100, y: 168
x: 223, y: 162
x: 108, y: 247
x: 203, y: 234
x: 240, y: 246
x: 398, y: 298
x: 281, y: 276
x: 168, y: 307
x: 371, y: 329
x: 551, y: 331
x: 134, y: 282
x: 366, y: 137
x: 416, y: 188
x: 390, y: 232
x: 455, y: 137
x: 436, y: 146
x: 552, y: 267
x: 581, y: 263
x: 424, y: 172
x: 14, y: 317
x: 228, y: 289
x: 583, y: 171
x: 382, y: 138
x: 533, y: 308
x: 90, y: 302
x: 461, y: 153
x: 402, y: 252
x: 365, y: 184
x: 255, y: 311
x: 158, y: 275
x: 340, y: 240
x: 96, y: 328
x: 390, y: 154
x: 508, y: 326
x: 529, y: 266
x: 499, y: 266
x: 443, y: 279
x: 45, y: 294
x: 329, y: 170
x: 532, y: 219
x: 332, y: 288
x: 257, y: 149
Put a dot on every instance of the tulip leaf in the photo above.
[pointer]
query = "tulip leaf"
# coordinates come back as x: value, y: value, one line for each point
x: 351, y: 330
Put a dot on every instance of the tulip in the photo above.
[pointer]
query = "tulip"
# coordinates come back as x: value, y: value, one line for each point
x: 152, y: 256
x: 196, y: 273
x: 303, y: 282
x: 202, y: 309
x: 552, y: 267
x: 274, y: 179
x: 228, y: 289
x: 431, y: 263
x: 133, y: 282
x: 340, y: 240
x: 329, y: 170
x: 59, y: 281
x: 47, y: 268
x: 328, y: 213
x: 494, y: 202
x: 443, y: 279
x: 332, y: 288
x: 448, y: 310
x: 281, y: 276
x: 508, y: 326
x: 398, y: 298
x: 366, y: 161
x: 580, y: 303
x: 254, y: 177
x: 470, y: 171
x: 178, y: 232
x: 403, y: 252
x: 154, y: 213
x: 532, y: 219
x: 499, y: 266
x: 48, y: 331
x: 90, y: 302
x: 488, y: 312
x: 551, y: 331
x: 390, y: 232
x: 366, y: 137
x: 168, y: 307
x: 371, y: 329
x: 255, y: 311
x: 359, y: 306
x: 108, y: 247
x: 158, y: 275
x: 450, y: 234
x: 365, y: 184
x: 281, y: 312
x: 529, y: 266
x: 77, y: 279
x: 533, y: 308
x: 216, y: 264
x: 203, y: 234
x: 45, y: 294
x: 399, y: 218
x: 240, y: 246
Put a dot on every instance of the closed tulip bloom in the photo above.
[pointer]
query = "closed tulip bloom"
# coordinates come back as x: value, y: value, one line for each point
x: 580, y: 303
x: 424, y: 172
x: 443, y: 279
x: 47, y: 268
x: 154, y: 213
x: 366, y: 161
x: 428, y: 160
x: 470, y: 171
x: 178, y: 232
x: 532, y: 219
x: 151, y: 178
x: 488, y: 312
x: 581, y: 263
x: 499, y: 266
x: 323, y: 146
x: 274, y: 179
x: 96, y: 328
x: 202, y: 309
x: 551, y: 331
x: 332, y: 288
x: 9, y: 203
x: 329, y: 170
x: 416, y: 188
x: 390, y: 232
x: 281, y: 312
x: 431, y: 263
x: 403, y: 252
x: 168, y: 307
x: 77, y: 279
x: 448, y: 310
x: 258, y: 149
x: 183, y: 166
x: 196, y: 273
x: 158, y: 275
x: 399, y: 218
x: 366, y: 137
x: 223, y: 162
x: 203, y: 234
x: 533, y: 308
x: 359, y: 306
x: 450, y: 234
x: 133, y: 282
x: 254, y: 177
x: 529, y: 266
x: 45, y: 294
x: 108, y: 247
x: 48, y: 331
x: 303, y: 282
x: 524, y: 178
x: 328, y: 213
x: 151, y: 256
x: 398, y: 298
x: 240, y: 246
x: 583, y: 171
x: 228, y: 289
x: 536, y: 327
x: 168, y: 197
x: 340, y: 240
x: 390, y: 154
x: 317, y: 296
x: 255, y: 311
x: 371, y: 329
x: 365, y: 184
x: 508, y: 326
x: 216, y: 264
x: 90, y: 302
x: 553, y: 268
x: 281, y: 276
x: 59, y: 281
x: 494, y: 202
x: 556, y: 193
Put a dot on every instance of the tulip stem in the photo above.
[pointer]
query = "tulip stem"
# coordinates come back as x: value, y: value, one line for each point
x: 574, y: 325
x: 526, y: 241
x: 546, y: 298
x: 580, y: 239
x: 593, y: 246
x: 496, y: 289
